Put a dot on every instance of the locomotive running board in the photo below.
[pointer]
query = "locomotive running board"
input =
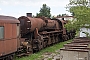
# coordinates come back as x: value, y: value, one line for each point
x: 50, y: 32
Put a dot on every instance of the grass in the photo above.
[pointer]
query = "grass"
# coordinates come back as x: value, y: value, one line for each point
x: 48, y: 49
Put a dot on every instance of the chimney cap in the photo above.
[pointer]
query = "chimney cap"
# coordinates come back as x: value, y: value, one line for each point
x: 29, y: 14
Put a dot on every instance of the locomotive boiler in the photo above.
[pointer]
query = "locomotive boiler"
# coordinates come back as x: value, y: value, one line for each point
x: 29, y: 24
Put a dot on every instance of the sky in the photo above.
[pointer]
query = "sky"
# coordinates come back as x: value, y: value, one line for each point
x: 17, y: 8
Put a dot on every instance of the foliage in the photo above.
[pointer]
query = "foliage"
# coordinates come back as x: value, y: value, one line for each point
x: 78, y: 2
x: 64, y: 14
x: 81, y: 13
x: 59, y: 15
x: 44, y: 11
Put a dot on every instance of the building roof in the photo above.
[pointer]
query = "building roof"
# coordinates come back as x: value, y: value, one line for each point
x: 65, y: 16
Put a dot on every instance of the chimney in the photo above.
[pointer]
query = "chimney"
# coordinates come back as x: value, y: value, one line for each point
x: 63, y: 18
x: 29, y: 14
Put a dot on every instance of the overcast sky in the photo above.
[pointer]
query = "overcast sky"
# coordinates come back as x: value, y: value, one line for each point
x: 18, y: 8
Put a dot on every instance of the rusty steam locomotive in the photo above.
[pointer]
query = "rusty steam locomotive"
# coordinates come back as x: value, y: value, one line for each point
x: 28, y: 35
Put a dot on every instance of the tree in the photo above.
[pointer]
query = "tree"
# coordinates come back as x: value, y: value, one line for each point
x: 64, y: 14
x: 44, y: 11
x: 59, y: 15
x: 81, y: 12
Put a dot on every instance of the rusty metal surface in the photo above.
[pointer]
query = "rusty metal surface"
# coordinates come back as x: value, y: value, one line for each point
x: 83, y: 38
x: 78, y: 43
x: 79, y: 50
x: 63, y: 23
x: 81, y: 41
x: 44, y: 32
x: 77, y: 47
x: 29, y: 24
x: 10, y: 46
x: 9, y: 43
x: 8, y: 19
x: 8, y: 31
x: 1, y: 47
x: 74, y: 45
x: 52, y: 24
x: 14, y: 31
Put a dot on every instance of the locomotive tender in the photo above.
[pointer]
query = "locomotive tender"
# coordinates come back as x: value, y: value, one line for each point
x: 28, y: 35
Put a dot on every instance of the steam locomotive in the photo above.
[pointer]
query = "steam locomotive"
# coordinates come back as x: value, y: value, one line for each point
x: 28, y: 35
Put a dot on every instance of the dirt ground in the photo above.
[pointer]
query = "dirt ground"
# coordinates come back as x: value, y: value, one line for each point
x: 50, y: 56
